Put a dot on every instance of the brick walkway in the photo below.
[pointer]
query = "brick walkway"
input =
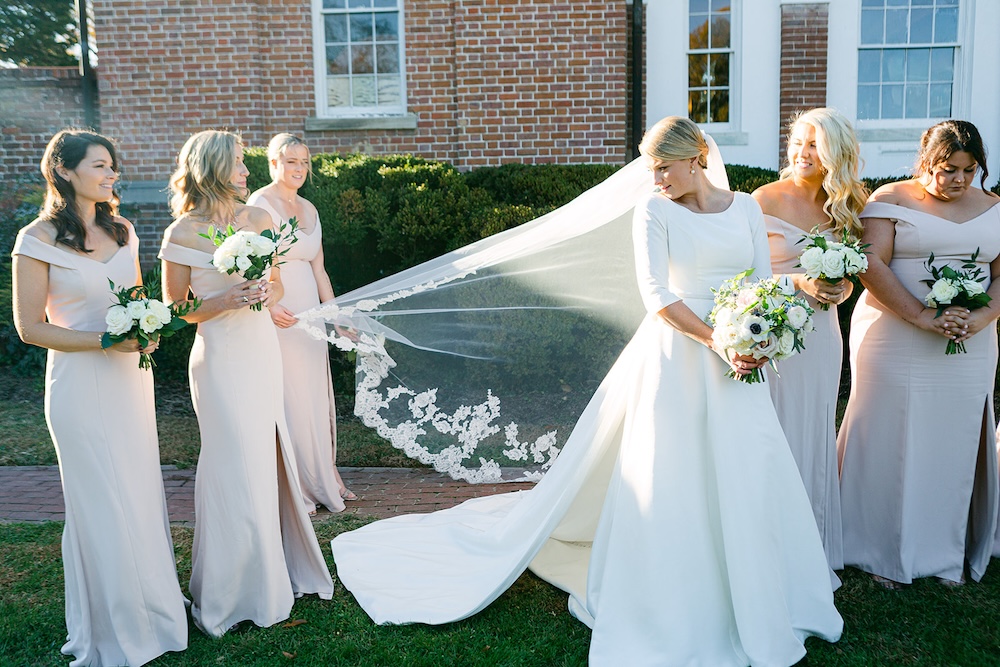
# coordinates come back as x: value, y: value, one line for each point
x: 34, y: 494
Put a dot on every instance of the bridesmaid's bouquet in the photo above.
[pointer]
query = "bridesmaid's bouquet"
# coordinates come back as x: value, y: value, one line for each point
x: 248, y: 253
x: 138, y: 315
x: 761, y: 319
x: 951, y: 287
x: 832, y: 260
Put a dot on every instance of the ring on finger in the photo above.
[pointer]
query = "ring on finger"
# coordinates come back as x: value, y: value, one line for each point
x: 246, y: 299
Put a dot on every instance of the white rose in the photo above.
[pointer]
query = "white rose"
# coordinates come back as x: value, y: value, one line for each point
x: 161, y: 311
x: 766, y: 348
x: 855, y: 262
x: 943, y: 291
x: 224, y: 258
x: 746, y: 297
x: 149, y: 322
x: 797, y: 316
x: 811, y: 262
x: 833, y: 264
x: 723, y: 317
x: 243, y: 263
x: 135, y: 309
x: 786, y: 343
x: 973, y: 287
x: 262, y: 246
x: 118, y: 320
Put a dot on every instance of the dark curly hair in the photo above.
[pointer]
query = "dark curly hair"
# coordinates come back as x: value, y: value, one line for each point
x: 939, y: 142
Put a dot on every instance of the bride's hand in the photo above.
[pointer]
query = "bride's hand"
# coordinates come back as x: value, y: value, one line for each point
x: 744, y: 364
x: 281, y: 316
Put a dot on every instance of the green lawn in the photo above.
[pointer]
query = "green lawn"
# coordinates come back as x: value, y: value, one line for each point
x: 529, y: 625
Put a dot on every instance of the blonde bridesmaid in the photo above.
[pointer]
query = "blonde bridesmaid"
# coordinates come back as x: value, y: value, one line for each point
x: 123, y: 603
x: 819, y: 189
x: 254, y: 547
x: 308, y: 385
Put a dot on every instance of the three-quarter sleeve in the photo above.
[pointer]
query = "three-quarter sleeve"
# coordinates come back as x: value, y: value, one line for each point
x: 652, y: 255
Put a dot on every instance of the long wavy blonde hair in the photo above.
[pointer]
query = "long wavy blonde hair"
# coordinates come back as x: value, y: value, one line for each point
x: 838, y: 150
x: 201, y: 184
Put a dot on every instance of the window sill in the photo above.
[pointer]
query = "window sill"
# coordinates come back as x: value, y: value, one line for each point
x: 407, y: 122
x: 908, y: 134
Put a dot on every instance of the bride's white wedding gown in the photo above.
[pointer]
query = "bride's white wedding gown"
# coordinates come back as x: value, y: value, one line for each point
x: 674, y: 517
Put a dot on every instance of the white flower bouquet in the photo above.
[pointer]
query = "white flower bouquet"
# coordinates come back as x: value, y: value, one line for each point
x: 831, y: 260
x: 761, y: 319
x: 952, y: 287
x: 138, y: 315
x: 248, y: 253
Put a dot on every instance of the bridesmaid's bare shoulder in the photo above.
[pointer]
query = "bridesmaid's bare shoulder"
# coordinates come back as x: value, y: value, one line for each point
x: 780, y: 199
x: 900, y: 193
x: 253, y: 218
x: 182, y: 232
x: 41, y: 229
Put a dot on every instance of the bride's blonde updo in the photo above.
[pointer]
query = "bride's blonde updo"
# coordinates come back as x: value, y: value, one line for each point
x: 675, y: 138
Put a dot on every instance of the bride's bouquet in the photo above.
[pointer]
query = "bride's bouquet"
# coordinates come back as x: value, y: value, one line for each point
x: 249, y: 253
x: 138, y: 315
x: 761, y: 319
x: 952, y: 287
x: 832, y: 260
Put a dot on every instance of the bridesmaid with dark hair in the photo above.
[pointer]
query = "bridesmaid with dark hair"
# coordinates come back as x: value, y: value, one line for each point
x: 917, y: 445
x: 123, y: 603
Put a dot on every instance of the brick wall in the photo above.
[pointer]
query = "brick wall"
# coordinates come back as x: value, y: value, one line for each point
x: 489, y: 81
x: 36, y: 102
x: 804, y: 30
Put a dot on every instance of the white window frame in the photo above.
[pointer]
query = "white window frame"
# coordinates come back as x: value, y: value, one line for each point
x: 718, y: 129
x: 323, y: 109
x: 960, y: 88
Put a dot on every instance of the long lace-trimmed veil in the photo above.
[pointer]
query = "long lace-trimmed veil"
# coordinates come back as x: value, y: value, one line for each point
x: 479, y: 362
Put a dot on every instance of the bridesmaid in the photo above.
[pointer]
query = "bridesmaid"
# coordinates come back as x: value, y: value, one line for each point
x: 123, y: 602
x: 309, y: 403
x: 917, y: 450
x: 254, y: 547
x: 818, y: 188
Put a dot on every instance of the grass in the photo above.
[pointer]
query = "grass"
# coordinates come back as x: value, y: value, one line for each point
x: 926, y: 625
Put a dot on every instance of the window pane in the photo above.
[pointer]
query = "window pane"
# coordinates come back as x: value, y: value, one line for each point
x: 892, y: 64
x: 385, y: 3
x: 895, y: 26
x: 720, y: 31
x: 387, y: 27
x: 333, y: 4
x: 337, y: 61
x: 698, y: 106
x: 363, y: 89
x: 943, y: 65
x: 387, y: 59
x: 892, y: 101
x: 921, y: 24
x: 721, y: 5
x: 868, y: 97
x: 719, y: 68
x: 697, y: 70
x: 871, y: 26
x: 940, y: 100
x: 897, y: 3
x: 698, y: 6
x: 719, y: 106
x: 922, y: 3
x: 916, y: 101
x: 918, y: 65
x: 869, y: 66
x: 873, y: 3
x: 336, y: 27
x: 361, y: 28
x: 354, y: 4
x: 362, y: 59
x: 946, y: 25
x: 390, y: 91
x: 950, y: 3
x: 338, y: 91
x: 698, y: 38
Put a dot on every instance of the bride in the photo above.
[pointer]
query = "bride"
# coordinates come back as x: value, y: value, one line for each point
x: 674, y: 515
